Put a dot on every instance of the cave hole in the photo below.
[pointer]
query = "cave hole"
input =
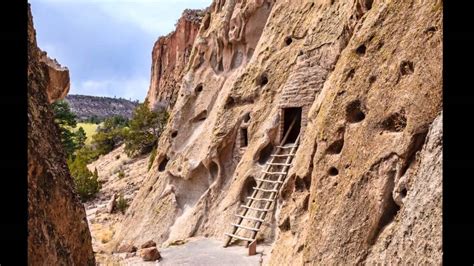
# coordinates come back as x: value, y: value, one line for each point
x: 306, y: 202
x: 265, y: 153
x: 333, y: 171
x: 350, y: 74
x: 174, y: 134
x: 290, y: 115
x: 361, y: 49
x: 288, y: 40
x: 247, y: 188
x: 335, y: 147
x: 213, y: 170
x: 198, y: 88
x: 395, y: 122
x: 354, y: 112
x: 207, y: 22
x: 406, y: 68
x: 285, y: 226
x: 299, y: 184
x: 201, y: 116
x: 404, y: 192
x: 262, y: 80
x: 307, y: 181
x: 163, y: 163
x: 368, y: 4
x: 372, y: 79
x: 229, y: 102
x: 247, y: 117
x: 244, y: 138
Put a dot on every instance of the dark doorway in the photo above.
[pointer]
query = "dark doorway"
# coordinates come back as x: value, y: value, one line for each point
x: 244, y: 139
x: 290, y: 114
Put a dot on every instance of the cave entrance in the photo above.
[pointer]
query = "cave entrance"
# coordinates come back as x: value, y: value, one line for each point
x: 289, y: 127
x: 244, y: 138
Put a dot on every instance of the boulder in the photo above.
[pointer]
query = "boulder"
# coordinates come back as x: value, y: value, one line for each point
x: 150, y: 254
x: 148, y: 244
x: 127, y: 248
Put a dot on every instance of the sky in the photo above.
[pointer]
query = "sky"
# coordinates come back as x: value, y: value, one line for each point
x: 106, y: 44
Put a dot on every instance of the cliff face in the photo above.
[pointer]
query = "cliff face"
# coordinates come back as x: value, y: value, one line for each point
x: 169, y: 57
x: 366, y: 76
x: 58, y: 233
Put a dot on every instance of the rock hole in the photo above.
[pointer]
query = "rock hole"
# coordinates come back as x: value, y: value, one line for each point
x: 220, y: 67
x: 163, y: 163
x: 299, y: 184
x: 368, y: 4
x: 247, y: 188
x: 431, y: 29
x: 372, y: 79
x: 333, y: 171
x: 288, y: 40
x: 201, y: 116
x: 247, y: 117
x: 262, y: 80
x: 361, y: 49
x: 406, y: 68
x: 198, y: 88
x: 335, y: 147
x: 354, y: 112
x: 237, y: 59
x: 174, y: 134
x: 265, y: 153
x: 307, y: 181
x: 244, y: 138
x: 350, y: 74
x: 395, y: 122
x: 214, y: 171
x: 403, y: 193
x: 289, y: 115
x: 285, y: 225
x: 230, y: 102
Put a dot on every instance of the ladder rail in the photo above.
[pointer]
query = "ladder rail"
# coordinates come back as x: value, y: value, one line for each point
x: 261, y: 183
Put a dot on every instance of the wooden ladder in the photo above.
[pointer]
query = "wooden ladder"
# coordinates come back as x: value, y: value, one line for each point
x: 265, y: 193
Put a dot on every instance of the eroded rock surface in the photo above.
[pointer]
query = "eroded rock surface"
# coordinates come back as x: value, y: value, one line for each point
x: 169, y: 57
x: 58, y: 233
x: 366, y: 77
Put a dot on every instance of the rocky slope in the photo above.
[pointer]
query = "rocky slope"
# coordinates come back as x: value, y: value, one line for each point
x: 169, y: 57
x: 365, y: 186
x: 58, y: 233
x: 87, y: 107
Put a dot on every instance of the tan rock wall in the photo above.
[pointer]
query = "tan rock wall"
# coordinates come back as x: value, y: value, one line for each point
x: 368, y: 76
x: 58, y: 233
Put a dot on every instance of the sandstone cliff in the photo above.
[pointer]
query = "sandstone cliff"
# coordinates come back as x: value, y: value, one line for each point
x: 169, y: 57
x: 366, y: 77
x: 58, y: 233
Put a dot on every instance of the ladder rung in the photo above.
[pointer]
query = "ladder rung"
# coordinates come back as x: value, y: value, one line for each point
x: 275, y: 173
x: 270, y: 200
x: 249, y: 218
x: 253, y: 208
x: 281, y: 164
x: 246, y: 228
x: 283, y: 155
x: 287, y: 147
x: 239, y: 237
x: 269, y: 181
x: 266, y: 190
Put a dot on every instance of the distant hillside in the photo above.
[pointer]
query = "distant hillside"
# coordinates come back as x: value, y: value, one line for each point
x: 90, y: 107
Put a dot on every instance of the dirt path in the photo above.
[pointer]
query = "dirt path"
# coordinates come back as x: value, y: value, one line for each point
x: 204, y: 251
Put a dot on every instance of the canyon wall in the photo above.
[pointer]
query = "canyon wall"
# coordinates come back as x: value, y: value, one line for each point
x: 58, y: 233
x: 365, y: 185
x: 169, y: 57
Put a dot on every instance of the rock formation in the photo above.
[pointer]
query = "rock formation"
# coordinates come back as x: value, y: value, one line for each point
x: 365, y: 185
x: 169, y: 57
x: 58, y: 233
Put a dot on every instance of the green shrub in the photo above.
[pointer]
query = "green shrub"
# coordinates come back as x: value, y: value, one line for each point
x: 145, y: 128
x: 86, y: 182
x: 152, y: 158
x: 121, y: 204
x: 110, y: 134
